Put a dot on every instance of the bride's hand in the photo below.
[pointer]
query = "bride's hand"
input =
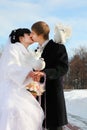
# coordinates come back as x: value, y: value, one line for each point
x: 36, y: 75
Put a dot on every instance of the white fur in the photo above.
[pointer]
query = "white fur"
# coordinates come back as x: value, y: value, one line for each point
x: 61, y: 33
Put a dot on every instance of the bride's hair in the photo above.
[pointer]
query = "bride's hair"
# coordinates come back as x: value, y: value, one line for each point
x: 15, y: 34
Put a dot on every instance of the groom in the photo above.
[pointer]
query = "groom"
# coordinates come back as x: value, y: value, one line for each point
x: 56, y: 59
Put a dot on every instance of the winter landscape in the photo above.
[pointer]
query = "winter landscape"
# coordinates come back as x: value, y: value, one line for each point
x: 76, y: 103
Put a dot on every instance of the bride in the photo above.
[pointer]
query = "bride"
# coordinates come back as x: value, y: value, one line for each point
x: 19, y: 110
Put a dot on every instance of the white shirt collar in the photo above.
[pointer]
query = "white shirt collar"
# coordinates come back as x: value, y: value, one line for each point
x: 44, y: 44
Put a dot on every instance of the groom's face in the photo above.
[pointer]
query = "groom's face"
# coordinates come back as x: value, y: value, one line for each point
x: 35, y: 37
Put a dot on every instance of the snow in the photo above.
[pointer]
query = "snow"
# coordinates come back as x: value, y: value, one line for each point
x: 76, y: 104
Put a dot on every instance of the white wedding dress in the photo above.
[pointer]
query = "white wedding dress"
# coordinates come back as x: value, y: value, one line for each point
x: 19, y: 110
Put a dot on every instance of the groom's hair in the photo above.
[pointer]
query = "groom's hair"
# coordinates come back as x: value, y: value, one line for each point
x: 41, y: 28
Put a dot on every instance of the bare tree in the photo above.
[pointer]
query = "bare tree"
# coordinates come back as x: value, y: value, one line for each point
x: 77, y: 76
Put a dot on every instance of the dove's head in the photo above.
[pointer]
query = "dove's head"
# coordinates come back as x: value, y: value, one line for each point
x: 62, y: 33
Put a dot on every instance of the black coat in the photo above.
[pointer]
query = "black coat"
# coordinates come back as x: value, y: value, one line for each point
x: 56, y: 59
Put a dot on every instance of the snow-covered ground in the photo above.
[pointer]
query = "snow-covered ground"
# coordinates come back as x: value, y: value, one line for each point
x: 76, y: 103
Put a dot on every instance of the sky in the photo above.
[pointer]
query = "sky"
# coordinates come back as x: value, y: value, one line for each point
x: 23, y: 13
x: 76, y: 105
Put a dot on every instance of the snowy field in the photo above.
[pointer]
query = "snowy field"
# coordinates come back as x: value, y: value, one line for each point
x: 76, y: 103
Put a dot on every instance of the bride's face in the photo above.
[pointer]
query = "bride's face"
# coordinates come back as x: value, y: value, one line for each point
x: 26, y: 39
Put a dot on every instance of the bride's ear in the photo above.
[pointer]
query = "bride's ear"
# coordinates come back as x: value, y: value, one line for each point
x: 21, y: 38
